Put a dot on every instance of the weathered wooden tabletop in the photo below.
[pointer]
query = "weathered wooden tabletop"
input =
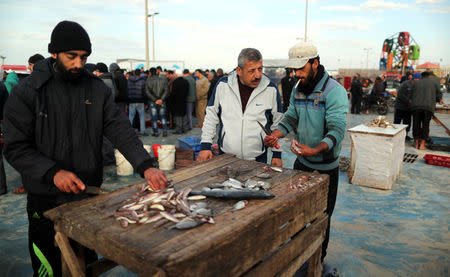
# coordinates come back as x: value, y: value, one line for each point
x: 233, y: 246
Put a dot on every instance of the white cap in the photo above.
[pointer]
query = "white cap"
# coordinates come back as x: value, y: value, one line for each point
x: 300, y: 53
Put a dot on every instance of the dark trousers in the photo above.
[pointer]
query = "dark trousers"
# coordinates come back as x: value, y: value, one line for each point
x: 181, y: 124
x: 2, y: 175
x: 356, y: 103
x: 331, y: 199
x: 41, y: 233
x: 421, y: 123
x: 403, y: 115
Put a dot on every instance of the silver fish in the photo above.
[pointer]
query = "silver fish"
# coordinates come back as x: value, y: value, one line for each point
x: 240, y: 205
x: 186, y: 223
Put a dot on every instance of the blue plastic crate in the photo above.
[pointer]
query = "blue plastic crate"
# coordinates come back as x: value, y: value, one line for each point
x: 192, y: 143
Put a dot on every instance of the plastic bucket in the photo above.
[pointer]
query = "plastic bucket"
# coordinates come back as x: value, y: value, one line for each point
x: 155, y: 149
x: 124, y: 168
x: 166, y: 157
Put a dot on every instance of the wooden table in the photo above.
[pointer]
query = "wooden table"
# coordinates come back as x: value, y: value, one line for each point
x: 376, y: 155
x: 265, y: 238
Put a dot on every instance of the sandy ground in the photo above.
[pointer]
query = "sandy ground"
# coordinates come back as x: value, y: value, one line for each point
x: 400, y: 232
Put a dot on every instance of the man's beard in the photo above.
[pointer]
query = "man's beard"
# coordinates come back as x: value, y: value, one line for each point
x: 67, y: 74
x: 307, y: 85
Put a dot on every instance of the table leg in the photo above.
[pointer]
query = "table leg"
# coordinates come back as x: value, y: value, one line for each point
x: 315, y: 264
x: 68, y: 257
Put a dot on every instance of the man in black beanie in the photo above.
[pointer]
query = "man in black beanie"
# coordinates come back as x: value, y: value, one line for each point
x: 54, y: 123
x: 34, y: 59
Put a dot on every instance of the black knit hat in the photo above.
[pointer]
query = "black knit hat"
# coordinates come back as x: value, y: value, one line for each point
x: 35, y: 58
x: 69, y: 35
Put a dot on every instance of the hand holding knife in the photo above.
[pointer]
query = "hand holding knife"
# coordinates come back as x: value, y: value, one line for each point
x: 267, y: 133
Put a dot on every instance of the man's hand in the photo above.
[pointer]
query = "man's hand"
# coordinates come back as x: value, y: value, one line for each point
x: 159, y: 102
x: 270, y: 141
x: 277, y: 162
x: 204, y: 155
x: 302, y: 149
x: 156, y: 179
x: 67, y: 181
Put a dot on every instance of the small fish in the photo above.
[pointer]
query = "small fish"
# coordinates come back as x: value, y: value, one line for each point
x: 154, y: 218
x: 186, y: 223
x: 206, y: 189
x: 202, y: 211
x: 264, y: 176
x: 216, y: 185
x: 157, y: 207
x: 135, y: 207
x: 264, y: 185
x: 196, y: 197
x: 169, y: 217
x: 240, y: 205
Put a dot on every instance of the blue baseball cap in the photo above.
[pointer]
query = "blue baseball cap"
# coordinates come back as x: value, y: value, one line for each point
x: 416, y: 76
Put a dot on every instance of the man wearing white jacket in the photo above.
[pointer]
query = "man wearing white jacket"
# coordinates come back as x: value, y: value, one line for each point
x: 237, y: 103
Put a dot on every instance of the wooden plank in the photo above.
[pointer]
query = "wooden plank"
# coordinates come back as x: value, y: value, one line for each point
x: 69, y: 256
x: 305, y: 243
x: 212, y: 251
x: 315, y: 264
x: 442, y: 124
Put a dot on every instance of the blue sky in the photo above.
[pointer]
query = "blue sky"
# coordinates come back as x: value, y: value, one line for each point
x: 210, y: 34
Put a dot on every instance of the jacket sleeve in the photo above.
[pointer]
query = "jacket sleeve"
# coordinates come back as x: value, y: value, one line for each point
x: 149, y: 90
x: 165, y: 89
x: 117, y: 128
x: 19, y: 128
x: 336, y: 108
x: 211, y: 119
x: 289, y: 121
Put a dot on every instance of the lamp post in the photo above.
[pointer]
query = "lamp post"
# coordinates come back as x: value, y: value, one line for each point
x: 3, y: 59
x: 306, y: 20
x: 153, y: 33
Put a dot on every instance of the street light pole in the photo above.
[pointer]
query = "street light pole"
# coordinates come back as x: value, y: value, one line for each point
x: 153, y: 33
x: 306, y: 20
x: 146, y: 34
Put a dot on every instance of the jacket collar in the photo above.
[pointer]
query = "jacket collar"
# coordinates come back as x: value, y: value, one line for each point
x: 233, y: 83
x: 43, y: 71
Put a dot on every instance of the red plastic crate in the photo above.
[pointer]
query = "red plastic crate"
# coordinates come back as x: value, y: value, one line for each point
x: 437, y: 160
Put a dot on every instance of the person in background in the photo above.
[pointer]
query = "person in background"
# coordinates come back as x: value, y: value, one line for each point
x: 287, y: 83
x: 171, y: 76
x: 425, y: 94
x: 408, y: 76
x: 121, y: 85
x: 356, y: 91
x: 157, y: 91
x: 56, y: 160
x: 317, y: 114
x: 403, y: 103
x: 237, y: 104
x: 34, y: 59
x: 137, y: 99
x: 201, y: 93
x: 11, y: 80
x: 190, y: 100
x: 177, y: 100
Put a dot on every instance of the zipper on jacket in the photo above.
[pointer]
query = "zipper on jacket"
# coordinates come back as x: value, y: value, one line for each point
x: 242, y: 138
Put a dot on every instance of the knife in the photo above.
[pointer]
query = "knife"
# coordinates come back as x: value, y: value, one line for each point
x: 94, y: 190
x: 267, y: 133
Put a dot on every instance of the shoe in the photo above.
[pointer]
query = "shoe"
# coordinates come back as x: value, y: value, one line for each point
x: 178, y: 132
x: 155, y: 135
x: 197, y: 126
x: 3, y: 192
x: 144, y: 135
x: 164, y: 134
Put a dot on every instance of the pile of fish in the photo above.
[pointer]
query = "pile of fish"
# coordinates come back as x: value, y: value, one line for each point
x: 233, y: 184
x: 163, y: 207
x: 380, y: 121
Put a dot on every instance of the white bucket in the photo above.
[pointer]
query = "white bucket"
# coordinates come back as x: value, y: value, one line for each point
x: 166, y: 157
x: 124, y: 168
x: 148, y: 148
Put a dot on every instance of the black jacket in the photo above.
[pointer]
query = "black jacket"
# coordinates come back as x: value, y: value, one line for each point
x: 177, y: 99
x: 356, y: 88
x: 122, y: 86
x: 156, y: 88
x: 3, y: 97
x: 51, y: 124
x: 136, y: 89
x: 403, y: 99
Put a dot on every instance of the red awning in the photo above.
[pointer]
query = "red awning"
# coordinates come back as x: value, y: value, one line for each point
x: 428, y: 66
x: 14, y: 67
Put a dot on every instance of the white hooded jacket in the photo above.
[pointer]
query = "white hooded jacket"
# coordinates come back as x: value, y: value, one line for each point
x: 239, y: 133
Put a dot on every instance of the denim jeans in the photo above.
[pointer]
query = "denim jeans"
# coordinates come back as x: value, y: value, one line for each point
x: 158, y: 112
x: 139, y: 107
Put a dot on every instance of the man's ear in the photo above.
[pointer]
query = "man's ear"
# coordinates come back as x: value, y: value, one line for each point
x: 238, y: 70
x: 53, y: 55
x: 315, y: 64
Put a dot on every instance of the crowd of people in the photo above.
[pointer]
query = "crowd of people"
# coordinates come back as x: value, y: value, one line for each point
x: 58, y: 143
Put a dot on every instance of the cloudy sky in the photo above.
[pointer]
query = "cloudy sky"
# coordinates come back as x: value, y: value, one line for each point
x: 210, y: 34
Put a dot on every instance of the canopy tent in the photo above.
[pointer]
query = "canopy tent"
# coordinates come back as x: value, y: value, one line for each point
x: 428, y: 66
